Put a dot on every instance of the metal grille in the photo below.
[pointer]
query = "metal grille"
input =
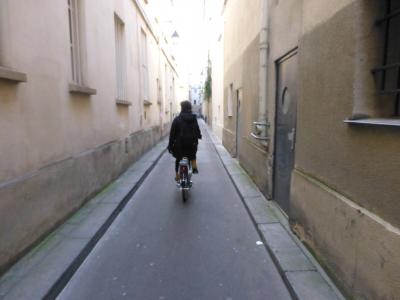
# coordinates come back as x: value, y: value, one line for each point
x: 388, y: 74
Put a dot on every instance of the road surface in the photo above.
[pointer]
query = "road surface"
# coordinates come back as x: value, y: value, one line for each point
x: 161, y: 248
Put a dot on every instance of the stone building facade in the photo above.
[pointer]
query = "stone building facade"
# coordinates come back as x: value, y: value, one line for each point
x: 86, y: 86
x: 311, y: 110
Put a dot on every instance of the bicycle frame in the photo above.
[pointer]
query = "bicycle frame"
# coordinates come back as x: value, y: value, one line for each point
x: 185, y: 174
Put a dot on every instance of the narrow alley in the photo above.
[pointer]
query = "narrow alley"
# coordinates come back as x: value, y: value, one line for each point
x: 298, y: 102
x: 161, y: 248
x: 138, y: 240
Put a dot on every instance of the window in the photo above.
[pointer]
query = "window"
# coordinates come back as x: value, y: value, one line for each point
x: 230, y: 100
x: 120, y: 58
x: 171, y: 89
x: 6, y: 71
x: 144, y: 72
x: 166, y: 80
x: 388, y: 74
x: 158, y: 91
x: 75, y: 41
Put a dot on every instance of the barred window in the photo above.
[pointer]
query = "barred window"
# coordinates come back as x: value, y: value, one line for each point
x: 388, y: 74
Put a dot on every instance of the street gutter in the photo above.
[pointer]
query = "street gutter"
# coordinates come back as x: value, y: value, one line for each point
x: 302, y: 274
x: 44, y: 271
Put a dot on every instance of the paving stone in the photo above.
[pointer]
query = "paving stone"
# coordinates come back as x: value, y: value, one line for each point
x: 301, y: 273
x: 117, y: 194
x: 260, y: 210
x: 288, y: 254
x: 223, y: 152
x: 150, y: 156
x: 80, y: 215
x: 310, y: 285
x: 283, y: 219
x: 133, y: 175
x: 246, y: 186
x: 35, y: 274
x: 28, y: 262
x: 92, y: 223
x: 37, y: 284
x: 234, y: 168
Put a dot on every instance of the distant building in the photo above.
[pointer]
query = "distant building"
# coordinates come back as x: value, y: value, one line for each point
x: 196, y: 98
x: 84, y: 91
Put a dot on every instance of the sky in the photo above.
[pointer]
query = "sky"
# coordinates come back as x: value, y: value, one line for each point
x: 188, y: 19
x: 188, y: 16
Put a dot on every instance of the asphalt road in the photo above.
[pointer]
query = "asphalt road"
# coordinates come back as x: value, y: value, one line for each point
x: 161, y: 248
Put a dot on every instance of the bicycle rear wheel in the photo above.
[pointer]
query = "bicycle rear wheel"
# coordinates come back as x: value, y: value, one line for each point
x: 185, y: 195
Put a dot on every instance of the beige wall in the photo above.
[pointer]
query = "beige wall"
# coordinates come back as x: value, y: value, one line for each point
x: 361, y: 162
x: 284, y: 32
x: 216, y: 56
x: 241, y: 35
x: 242, y: 68
x: 345, y: 185
x: 44, y: 127
x: 355, y: 230
x: 31, y: 132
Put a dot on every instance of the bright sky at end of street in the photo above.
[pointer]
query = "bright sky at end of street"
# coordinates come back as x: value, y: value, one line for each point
x: 189, y: 19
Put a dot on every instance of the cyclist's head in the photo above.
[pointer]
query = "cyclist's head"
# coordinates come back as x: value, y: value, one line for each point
x: 186, y: 106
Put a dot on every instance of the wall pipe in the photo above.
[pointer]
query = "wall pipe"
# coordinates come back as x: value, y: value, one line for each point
x: 261, y: 126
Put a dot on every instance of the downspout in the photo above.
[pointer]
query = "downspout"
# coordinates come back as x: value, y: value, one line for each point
x: 261, y: 126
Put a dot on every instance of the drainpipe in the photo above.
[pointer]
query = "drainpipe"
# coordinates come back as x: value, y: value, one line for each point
x: 261, y: 126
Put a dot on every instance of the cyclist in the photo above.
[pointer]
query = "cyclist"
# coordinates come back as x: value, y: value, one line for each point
x: 184, y: 136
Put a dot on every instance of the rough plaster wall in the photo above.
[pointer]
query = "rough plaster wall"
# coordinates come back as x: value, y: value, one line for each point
x: 316, y: 12
x: 251, y: 155
x: 32, y: 205
x: 358, y: 248
x: 217, y: 58
x: 240, y: 30
x: 360, y: 162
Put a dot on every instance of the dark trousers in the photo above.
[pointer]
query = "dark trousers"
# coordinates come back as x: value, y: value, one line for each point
x: 188, y: 151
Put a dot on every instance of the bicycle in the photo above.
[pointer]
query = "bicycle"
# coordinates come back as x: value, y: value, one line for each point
x: 185, y: 175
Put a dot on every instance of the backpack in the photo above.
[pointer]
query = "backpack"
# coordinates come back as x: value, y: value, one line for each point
x: 187, y: 133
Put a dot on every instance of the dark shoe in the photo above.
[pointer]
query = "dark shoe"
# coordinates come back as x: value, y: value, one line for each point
x: 195, y: 171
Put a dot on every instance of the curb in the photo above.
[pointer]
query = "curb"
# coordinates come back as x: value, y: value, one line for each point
x: 302, y: 274
x: 46, y: 269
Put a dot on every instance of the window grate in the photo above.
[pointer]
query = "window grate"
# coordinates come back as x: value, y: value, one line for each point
x: 389, y: 73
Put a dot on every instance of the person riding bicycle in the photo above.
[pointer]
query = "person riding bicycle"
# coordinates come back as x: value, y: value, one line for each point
x: 184, y: 136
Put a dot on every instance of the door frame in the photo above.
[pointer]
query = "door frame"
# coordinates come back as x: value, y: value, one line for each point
x: 277, y: 63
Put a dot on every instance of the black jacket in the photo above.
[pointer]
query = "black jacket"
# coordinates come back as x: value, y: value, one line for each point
x: 183, y: 121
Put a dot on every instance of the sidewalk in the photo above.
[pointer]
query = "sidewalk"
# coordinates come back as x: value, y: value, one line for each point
x: 303, y: 275
x: 45, y: 271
